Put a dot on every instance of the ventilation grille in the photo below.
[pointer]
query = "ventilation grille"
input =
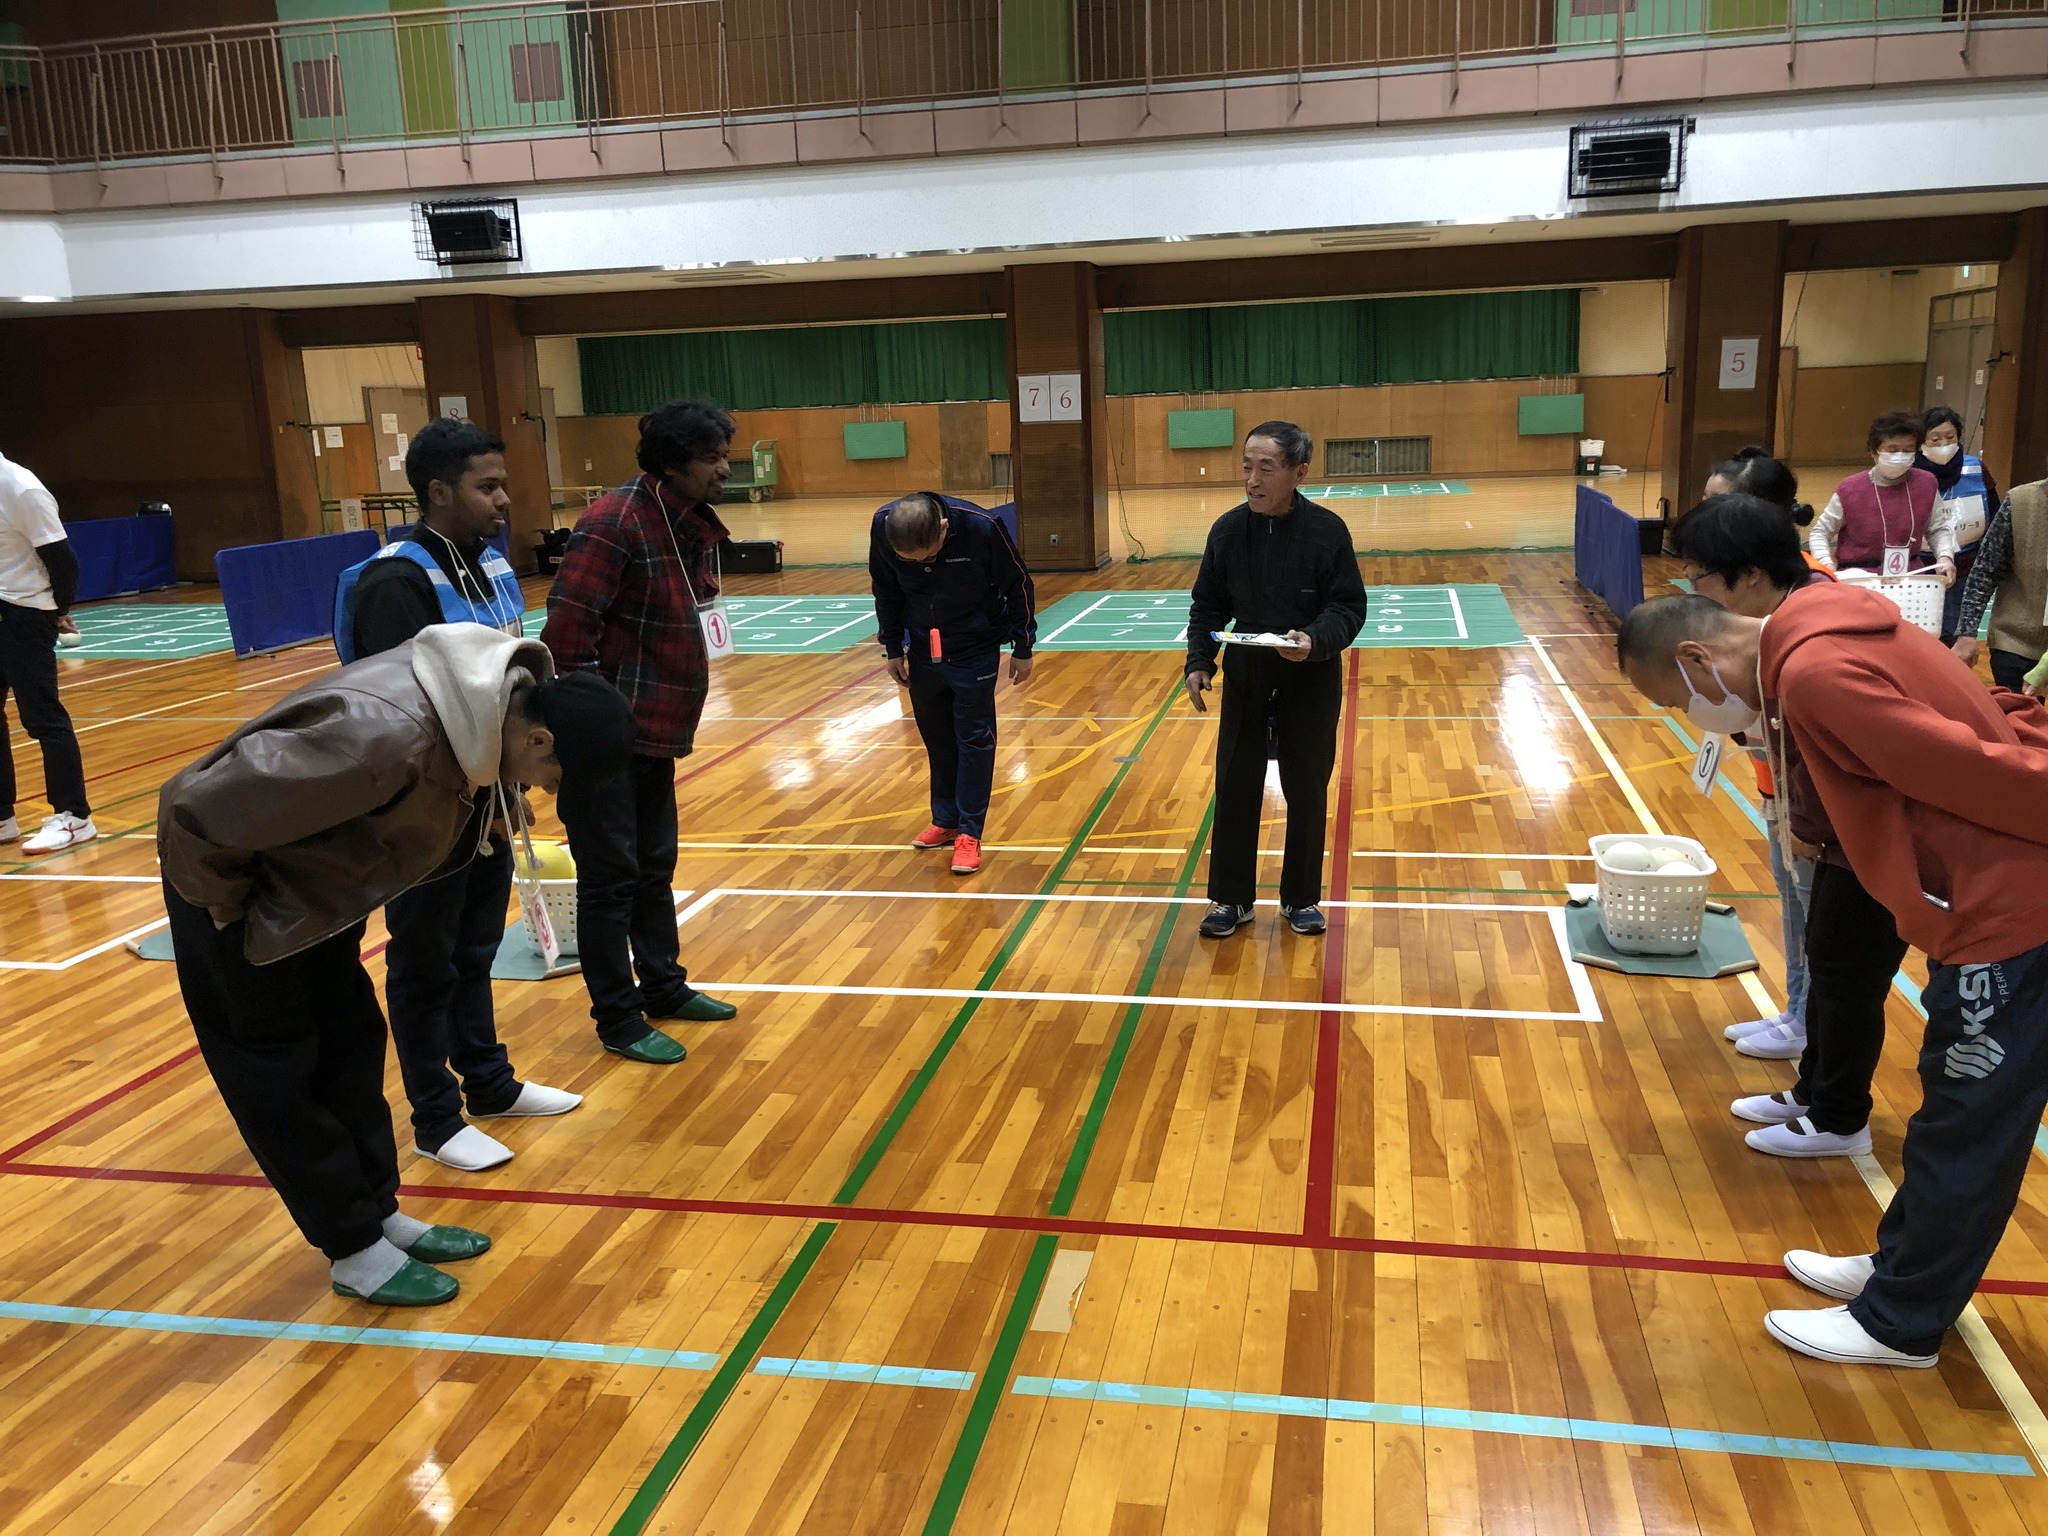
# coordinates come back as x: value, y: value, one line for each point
x: 999, y: 471
x: 1376, y: 456
x: 1613, y: 159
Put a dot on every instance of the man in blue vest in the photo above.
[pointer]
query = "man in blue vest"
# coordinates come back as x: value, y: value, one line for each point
x: 445, y: 932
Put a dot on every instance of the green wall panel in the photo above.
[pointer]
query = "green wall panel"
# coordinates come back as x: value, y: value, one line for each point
x: 875, y: 440
x: 1540, y: 415
x: 1201, y: 429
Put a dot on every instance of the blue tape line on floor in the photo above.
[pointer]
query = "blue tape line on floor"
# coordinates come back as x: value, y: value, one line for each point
x: 1602, y: 1431
x: 851, y: 1370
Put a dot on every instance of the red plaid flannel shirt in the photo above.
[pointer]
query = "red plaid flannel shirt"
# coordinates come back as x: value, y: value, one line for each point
x: 620, y: 604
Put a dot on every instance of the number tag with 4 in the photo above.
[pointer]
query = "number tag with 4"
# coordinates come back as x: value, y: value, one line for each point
x: 1897, y: 560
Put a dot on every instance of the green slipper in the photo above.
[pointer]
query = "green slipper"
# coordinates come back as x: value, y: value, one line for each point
x: 445, y: 1245
x: 705, y: 1009
x: 415, y: 1285
x: 654, y: 1048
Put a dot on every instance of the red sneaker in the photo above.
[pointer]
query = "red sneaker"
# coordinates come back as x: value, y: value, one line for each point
x: 933, y: 837
x: 966, y: 854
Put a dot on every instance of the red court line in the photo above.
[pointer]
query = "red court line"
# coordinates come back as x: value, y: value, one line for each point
x: 1068, y: 1226
x: 1320, y: 1181
x: 86, y: 1111
x: 184, y: 752
x: 770, y: 729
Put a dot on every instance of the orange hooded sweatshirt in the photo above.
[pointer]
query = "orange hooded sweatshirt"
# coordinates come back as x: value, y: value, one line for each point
x: 1937, y: 788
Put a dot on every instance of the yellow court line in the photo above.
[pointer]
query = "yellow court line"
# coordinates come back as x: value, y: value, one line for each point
x: 1599, y: 743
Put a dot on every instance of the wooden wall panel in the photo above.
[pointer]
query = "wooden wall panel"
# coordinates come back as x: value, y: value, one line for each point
x: 1832, y: 408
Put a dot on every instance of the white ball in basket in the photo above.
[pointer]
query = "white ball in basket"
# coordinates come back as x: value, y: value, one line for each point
x: 1632, y: 858
x: 1678, y: 866
x: 1659, y: 857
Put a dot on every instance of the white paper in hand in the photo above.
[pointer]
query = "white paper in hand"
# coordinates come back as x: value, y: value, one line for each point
x: 1232, y: 637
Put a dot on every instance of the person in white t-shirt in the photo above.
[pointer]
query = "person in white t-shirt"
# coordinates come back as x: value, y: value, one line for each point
x: 38, y: 580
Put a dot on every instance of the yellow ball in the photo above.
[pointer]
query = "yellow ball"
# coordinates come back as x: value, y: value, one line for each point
x: 551, y: 862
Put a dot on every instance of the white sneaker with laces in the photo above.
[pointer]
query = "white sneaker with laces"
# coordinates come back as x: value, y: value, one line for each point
x: 1752, y: 1026
x: 10, y: 831
x: 536, y: 1100
x: 1841, y: 1278
x: 61, y: 831
x: 1776, y: 1041
x: 1832, y: 1334
x: 1799, y: 1138
x: 468, y: 1149
x: 1768, y: 1108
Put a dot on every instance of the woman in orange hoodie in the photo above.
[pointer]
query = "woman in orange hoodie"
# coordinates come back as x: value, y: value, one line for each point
x: 1940, y: 792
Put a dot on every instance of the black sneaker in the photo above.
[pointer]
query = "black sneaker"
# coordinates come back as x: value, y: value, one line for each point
x: 1224, y: 920
x: 1307, y: 920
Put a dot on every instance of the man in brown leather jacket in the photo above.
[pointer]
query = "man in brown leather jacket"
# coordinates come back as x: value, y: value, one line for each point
x: 278, y: 844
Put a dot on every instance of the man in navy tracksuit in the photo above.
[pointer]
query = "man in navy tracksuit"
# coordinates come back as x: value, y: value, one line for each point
x: 950, y: 589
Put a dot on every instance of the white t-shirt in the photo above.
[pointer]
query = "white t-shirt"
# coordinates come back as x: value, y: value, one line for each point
x: 28, y: 520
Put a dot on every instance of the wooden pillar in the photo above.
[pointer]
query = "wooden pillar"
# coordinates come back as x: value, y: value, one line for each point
x: 283, y: 440
x: 2016, y: 405
x: 1729, y: 287
x: 472, y: 350
x: 1059, y: 468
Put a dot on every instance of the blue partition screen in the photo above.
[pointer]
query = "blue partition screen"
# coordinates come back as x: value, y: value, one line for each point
x: 1607, y: 552
x: 282, y: 594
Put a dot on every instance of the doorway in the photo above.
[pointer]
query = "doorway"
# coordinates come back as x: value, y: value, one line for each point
x: 1959, y: 346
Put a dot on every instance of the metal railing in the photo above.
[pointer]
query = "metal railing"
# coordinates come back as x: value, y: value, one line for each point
x: 581, y: 66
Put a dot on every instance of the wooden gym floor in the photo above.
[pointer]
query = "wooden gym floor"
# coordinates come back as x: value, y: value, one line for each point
x: 1010, y: 1204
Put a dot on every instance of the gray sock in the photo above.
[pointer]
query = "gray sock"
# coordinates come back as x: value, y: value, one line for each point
x: 368, y: 1271
x: 403, y: 1231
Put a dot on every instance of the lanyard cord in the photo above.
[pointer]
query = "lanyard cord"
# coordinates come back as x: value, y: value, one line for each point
x: 717, y: 573
x: 1884, y: 522
x: 464, y: 581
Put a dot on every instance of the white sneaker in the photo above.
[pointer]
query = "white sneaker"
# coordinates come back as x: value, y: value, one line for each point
x: 10, y: 831
x: 468, y: 1149
x: 1798, y: 1138
x: 61, y: 831
x: 1768, y: 1108
x: 1751, y: 1026
x: 1842, y: 1279
x: 535, y: 1100
x: 1832, y: 1334
x: 1776, y: 1041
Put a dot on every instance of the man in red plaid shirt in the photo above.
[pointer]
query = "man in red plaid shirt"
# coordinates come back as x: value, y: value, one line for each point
x: 624, y: 604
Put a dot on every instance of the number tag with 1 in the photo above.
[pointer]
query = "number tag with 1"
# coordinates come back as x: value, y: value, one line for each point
x: 1706, y: 764
x: 713, y: 622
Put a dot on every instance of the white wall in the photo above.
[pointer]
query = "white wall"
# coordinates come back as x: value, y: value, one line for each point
x: 1622, y: 328
x: 561, y: 372
x: 337, y: 376
x: 1852, y: 319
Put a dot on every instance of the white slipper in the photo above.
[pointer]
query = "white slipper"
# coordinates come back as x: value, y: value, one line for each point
x: 1832, y: 1334
x: 470, y: 1150
x: 534, y: 1099
x: 1841, y: 1278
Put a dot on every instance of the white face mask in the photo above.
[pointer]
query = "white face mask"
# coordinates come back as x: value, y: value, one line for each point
x: 1727, y: 715
x: 1942, y: 453
x: 1892, y: 465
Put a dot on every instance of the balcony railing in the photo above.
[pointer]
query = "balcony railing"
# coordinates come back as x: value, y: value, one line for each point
x: 584, y: 66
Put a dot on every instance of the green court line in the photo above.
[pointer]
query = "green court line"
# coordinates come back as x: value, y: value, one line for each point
x: 694, y: 1428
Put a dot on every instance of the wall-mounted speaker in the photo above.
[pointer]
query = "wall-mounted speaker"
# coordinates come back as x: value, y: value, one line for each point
x: 1628, y: 156
x: 463, y: 231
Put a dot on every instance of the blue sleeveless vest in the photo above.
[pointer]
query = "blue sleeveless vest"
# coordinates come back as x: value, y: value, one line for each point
x: 1967, y: 497
x: 504, y: 607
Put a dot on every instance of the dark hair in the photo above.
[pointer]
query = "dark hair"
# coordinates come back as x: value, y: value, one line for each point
x: 913, y: 521
x: 674, y: 435
x: 442, y: 450
x: 1653, y: 629
x: 591, y: 722
x: 1730, y: 534
x: 1894, y: 424
x: 1940, y: 416
x: 1295, y: 445
x: 1754, y: 472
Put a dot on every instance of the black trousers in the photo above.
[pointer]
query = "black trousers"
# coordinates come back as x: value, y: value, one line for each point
x: 954, y: 702
x: 1984, y: 1085
x: 1302, y: 699
x: 297, y: 1051
x: 2009, y: 669
x: 623, y: 837
x: 1853, y: 950
x: 28, y: 669
x: 444, y: 936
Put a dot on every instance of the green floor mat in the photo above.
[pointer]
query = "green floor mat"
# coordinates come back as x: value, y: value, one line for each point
x: 1467, y: 616
x: 1723, y: 951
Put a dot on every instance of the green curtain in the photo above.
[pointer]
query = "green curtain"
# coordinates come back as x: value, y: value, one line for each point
x: 1345, y: 341
x: 915, y: 362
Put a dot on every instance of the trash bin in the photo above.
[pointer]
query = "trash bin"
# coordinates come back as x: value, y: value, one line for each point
x: 1590, y: 449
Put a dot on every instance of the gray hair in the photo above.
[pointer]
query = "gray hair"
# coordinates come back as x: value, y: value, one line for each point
x: 913, y: 521
x: 1295, y: 445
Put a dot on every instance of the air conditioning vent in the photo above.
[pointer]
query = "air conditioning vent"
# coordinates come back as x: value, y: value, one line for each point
x: 1628, y: 156
x: 1368, y: 456
x: 463, y: 231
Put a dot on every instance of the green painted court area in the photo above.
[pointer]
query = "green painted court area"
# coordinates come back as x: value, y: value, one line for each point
x: 1365, y: 488
x: 1461, y: 616
x: 787, y: 626
x: 149, y: 631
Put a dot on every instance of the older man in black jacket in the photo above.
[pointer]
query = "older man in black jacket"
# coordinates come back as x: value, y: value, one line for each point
x: 1279, y: 564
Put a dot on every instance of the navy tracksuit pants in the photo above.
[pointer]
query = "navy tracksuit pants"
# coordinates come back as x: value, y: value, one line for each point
x: 954, y: 701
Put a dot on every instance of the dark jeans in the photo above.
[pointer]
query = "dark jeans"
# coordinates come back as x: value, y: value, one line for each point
x: 297, y: 1051
x: 2009, y: 669
x: 1984, y: 1084
x: 954, y: 701
x: 1853, y: 950
x: 623, y: 837
x: 444, y: 936
x: 1302, y: 699
x: 28, y: 668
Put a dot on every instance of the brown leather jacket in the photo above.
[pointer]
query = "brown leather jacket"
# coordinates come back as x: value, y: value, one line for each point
x: 344, y: 794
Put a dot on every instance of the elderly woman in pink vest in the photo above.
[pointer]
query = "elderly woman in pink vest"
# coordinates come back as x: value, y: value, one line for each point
x: 1878, y: 520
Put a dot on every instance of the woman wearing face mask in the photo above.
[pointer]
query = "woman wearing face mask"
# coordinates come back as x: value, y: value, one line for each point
x: 1744, y: 554
x: 1877, y: 520
x: 1968, y: 495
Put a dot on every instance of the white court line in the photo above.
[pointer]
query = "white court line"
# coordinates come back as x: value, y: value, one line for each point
x: 81, y: 958
x: 1457, y: 612
x: 91, y: 879
x: 1077, y: 618
x: 826, y: 634
x: 1143, y: 901
x: 747, y: 616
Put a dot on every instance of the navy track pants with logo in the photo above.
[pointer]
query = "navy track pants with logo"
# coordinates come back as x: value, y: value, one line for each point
x: 1984, y: 1077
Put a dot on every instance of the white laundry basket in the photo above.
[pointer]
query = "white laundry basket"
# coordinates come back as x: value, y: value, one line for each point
x: 559, y: 897
x: 1647, y: 913
x: 1919, y: 597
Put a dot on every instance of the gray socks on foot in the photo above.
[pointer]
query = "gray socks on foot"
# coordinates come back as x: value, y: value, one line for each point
x: 403, y: 1231
x: 370, y: 1269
